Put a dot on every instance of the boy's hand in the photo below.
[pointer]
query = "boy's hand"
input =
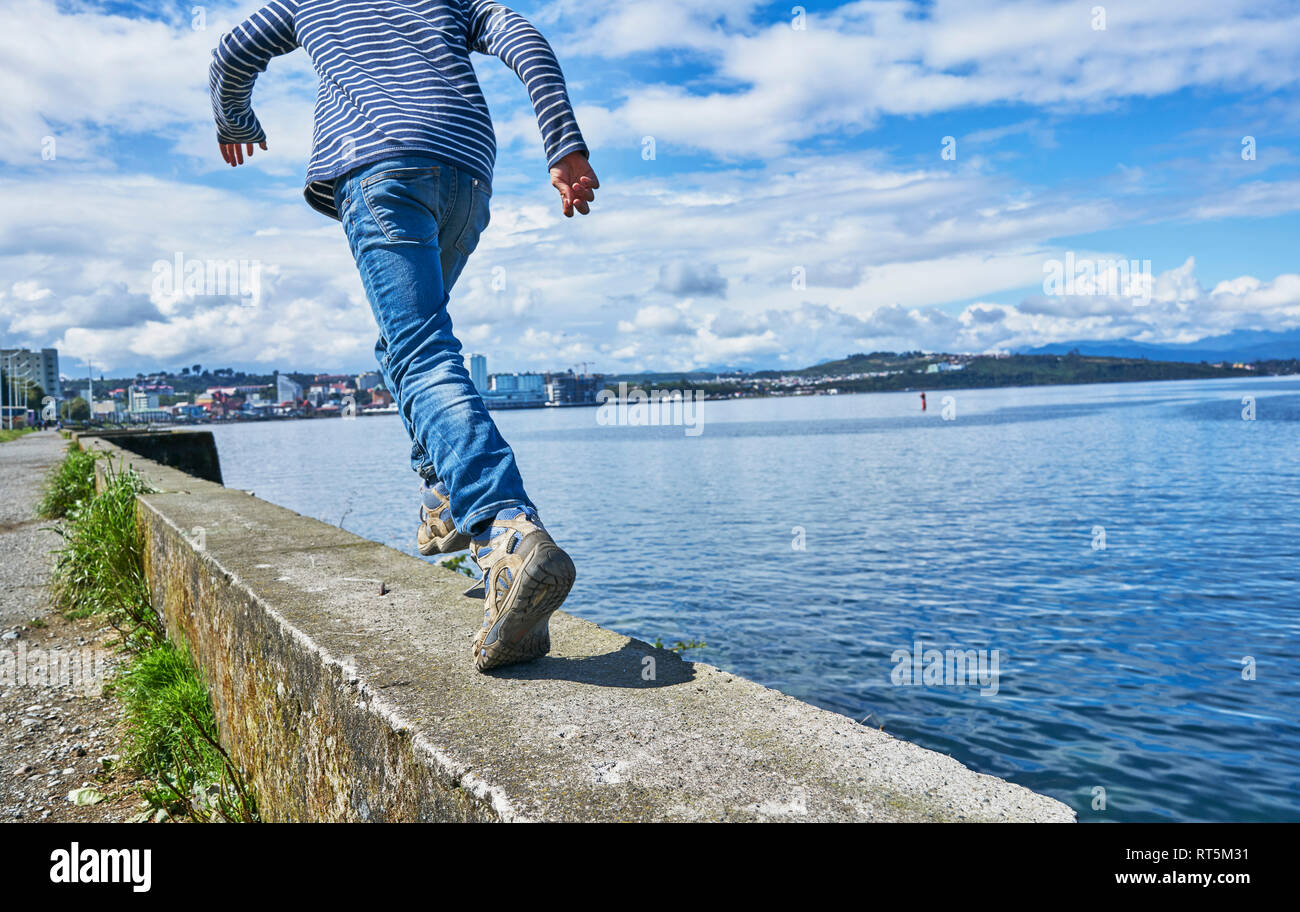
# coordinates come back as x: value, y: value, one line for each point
x: 573, y: 177
x: 234, y: 155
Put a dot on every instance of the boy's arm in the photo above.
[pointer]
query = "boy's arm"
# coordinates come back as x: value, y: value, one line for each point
x: 240, y: 55
x: 500, y: 31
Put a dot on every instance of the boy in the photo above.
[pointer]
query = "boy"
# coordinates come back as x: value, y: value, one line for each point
x: 402, y: 155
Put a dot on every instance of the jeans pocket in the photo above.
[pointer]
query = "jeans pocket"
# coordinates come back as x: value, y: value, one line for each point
x: 404, y: 203
x: 477, y: 220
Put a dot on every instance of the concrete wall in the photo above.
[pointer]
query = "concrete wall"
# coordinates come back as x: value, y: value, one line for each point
x: 345, y: 702
x: 193, y: 452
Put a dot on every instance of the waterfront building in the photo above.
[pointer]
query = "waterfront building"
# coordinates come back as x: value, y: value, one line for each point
x: 141, y: 400
x: 40, y: 367
x: 527, y: 390
x: 569, y: 388
x: 478, y: 372
x: 287, y: 390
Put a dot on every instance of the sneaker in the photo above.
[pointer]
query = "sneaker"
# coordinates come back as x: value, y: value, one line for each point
x: 526, y: 576
x: 437, y: 533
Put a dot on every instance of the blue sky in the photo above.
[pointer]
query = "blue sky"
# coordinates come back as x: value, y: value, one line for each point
x: 779, y: 151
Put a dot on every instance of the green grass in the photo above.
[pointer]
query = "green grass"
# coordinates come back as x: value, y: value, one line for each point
x: 100, y: 568
x: 680, y: 646
x: 172, y: 739
x: 7, y: 434
x: 171, y: 732
x: 461, y: 564
x: 71, y: 482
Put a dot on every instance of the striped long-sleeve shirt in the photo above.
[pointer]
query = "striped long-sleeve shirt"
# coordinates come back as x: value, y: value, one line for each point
x: 395, y: 76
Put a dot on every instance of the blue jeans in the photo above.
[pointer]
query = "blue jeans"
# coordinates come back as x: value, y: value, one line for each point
x: 412, y: 221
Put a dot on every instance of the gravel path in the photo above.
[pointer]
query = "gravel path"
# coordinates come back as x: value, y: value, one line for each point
x: 24, y: 546
x: 58, y: 734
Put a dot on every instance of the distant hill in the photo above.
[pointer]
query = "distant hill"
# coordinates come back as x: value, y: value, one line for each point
x: 861, y: 363
x: 886, y: 371
x: 908, y: 371
x: 1240, y: 345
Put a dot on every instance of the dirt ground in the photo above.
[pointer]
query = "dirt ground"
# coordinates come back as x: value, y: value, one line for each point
x: 58, y: 732
x: 58, y: 739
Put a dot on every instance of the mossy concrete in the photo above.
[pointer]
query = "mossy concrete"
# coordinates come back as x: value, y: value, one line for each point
x: 349, y: 701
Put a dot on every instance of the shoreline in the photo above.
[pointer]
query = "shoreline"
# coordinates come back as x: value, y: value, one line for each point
x: 615, y: 400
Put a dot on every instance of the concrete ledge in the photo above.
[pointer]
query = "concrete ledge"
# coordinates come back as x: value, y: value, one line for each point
x: 192, y: 451
x: 348, y: 704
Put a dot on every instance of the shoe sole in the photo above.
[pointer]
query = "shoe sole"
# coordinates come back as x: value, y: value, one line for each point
x: 523, y: 631
x: 452, y: 541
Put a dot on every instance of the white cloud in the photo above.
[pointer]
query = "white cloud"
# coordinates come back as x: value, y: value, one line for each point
x: 687, y: 261
x: 83, y: 76
x: 657, y: 319
x: 860, y: 61
x: 883, y: 253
